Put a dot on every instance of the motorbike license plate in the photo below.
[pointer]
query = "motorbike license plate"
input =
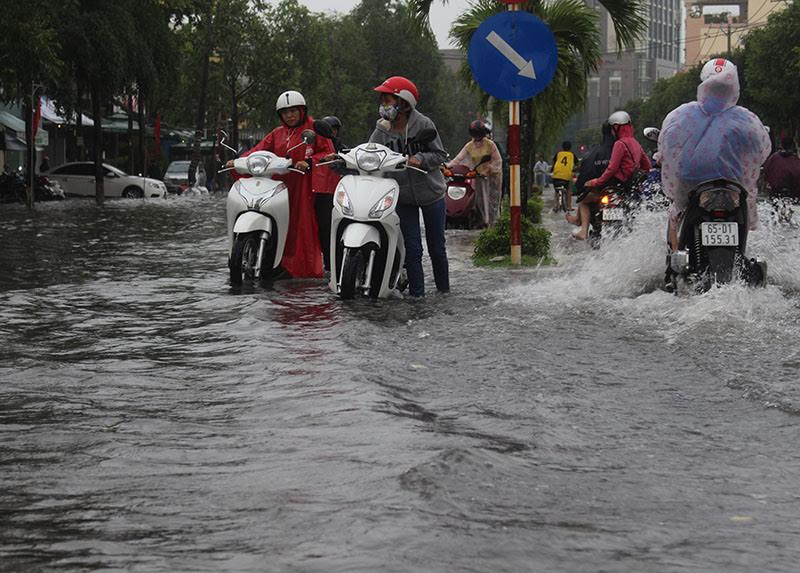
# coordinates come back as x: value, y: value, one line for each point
x: 719, y: 234
x: 613, y: 214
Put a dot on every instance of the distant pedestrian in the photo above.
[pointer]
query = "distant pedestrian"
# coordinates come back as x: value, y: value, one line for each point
x: 540, y: 171
x: 44, y: 166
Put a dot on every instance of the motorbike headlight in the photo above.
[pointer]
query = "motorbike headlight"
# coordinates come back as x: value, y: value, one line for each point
x: 343, y: 201
x: 257, y: 164
x: 456, y: 193
x: 379, y: 208
x: 370, y: 160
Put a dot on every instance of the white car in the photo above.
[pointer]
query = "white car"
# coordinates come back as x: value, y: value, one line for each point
x: 78, y: 179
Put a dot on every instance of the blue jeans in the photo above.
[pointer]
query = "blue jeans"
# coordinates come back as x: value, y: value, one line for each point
x: 434, y: 217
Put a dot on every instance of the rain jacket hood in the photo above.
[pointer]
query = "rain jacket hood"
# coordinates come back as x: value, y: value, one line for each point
x: 719, y: 92
x: 624, y: 131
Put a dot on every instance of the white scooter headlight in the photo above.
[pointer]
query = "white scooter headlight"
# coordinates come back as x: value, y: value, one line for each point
x: 379, y: 208
x: 257, y: 164
x: 369, y: 160
x: 456, y: 193
x: 343, y: 200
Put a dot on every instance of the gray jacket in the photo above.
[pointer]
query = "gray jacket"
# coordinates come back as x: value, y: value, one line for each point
x: 415, y: 188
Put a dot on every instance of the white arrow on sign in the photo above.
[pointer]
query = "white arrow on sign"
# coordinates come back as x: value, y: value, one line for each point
x: 525, y: 67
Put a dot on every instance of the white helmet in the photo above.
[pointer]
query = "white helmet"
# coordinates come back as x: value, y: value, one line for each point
x: 290, y: 99
x: 715, y: 67
x: 619, y: 118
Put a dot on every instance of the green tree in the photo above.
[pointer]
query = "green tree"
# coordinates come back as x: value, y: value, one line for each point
x: 772, y: 69
x: 666, y: 95
x: 30, y: 59
x: 575, y: 28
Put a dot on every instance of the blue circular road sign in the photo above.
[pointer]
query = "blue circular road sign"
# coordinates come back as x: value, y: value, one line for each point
x: 513, y: 55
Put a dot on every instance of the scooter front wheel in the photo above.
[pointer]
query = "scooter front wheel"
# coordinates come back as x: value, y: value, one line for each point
x: 243, y: 258
x: 352, y: 273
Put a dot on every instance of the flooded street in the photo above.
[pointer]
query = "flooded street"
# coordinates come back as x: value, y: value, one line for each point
x: 570, y: 418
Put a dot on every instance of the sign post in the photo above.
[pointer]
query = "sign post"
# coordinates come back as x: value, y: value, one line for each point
x: 513, y: 56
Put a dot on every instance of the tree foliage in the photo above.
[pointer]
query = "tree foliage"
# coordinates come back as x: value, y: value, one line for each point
x: 772, y: 58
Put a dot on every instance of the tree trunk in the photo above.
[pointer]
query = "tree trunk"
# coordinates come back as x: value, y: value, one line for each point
x: 97, y: 132
x: 131, y: 154
x: 526, y: 166
x: 78, y: 128
x: 142, y: 137
x: 200, y: 122
x: 234, y: 118
x: 30, y: 155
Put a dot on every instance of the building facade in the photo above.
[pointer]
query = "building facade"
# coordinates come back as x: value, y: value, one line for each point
x: 715, y: 27
x: 631, y: 74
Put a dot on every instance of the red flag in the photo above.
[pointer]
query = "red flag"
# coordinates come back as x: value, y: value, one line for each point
x: 37, y: 117
x: 157, y: 133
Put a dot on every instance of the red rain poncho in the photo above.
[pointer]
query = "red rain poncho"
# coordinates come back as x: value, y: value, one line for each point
x: 302, y: 256
x: 712, y: 138
x: 627, y: 156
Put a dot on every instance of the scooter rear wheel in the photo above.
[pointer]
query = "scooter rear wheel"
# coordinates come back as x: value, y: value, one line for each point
x: 352, y: 273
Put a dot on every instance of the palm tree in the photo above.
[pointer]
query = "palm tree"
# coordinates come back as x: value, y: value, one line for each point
x: 576, y: 29
x: 627, y: 16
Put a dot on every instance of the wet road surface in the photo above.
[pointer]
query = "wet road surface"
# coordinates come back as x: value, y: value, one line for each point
x: 570, y: 418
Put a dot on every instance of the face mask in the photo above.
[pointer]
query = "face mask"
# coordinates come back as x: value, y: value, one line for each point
x: 388, y: 111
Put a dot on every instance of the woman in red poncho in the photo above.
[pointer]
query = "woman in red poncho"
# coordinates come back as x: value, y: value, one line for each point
x: 302, y: 255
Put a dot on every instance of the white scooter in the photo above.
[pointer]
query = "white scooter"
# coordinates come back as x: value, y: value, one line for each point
x: 367, y: 249
x: 258, y: 215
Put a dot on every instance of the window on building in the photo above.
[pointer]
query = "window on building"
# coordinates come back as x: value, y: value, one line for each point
x: 594, y: 87
x: 615, y: 84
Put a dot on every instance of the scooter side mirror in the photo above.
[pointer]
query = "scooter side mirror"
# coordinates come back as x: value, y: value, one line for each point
x: 323, y: 128
x: 309, y: 136
x: 425, y: 135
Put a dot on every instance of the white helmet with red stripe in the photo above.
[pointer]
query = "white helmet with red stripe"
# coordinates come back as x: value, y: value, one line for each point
x: 715, y: 67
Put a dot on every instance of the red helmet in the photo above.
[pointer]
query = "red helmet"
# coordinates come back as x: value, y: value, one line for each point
x: 402, y: 88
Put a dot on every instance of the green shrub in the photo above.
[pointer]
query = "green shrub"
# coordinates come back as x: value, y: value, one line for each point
x: 496, y: 240
x: 535, y: 207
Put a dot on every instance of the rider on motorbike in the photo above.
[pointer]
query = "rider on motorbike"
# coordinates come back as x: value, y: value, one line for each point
x: 400, y: 122
x: 627, y: 156
x: 711, y: 138
x: 489, y: 187
x: 782, y: 170
x: 302, y: 255
x: 593, y: 166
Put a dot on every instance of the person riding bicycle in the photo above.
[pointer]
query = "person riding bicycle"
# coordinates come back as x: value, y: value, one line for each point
x: 627, y: 156
x: 711, y: 138
x: 489, y: 187
x: 563, y: 166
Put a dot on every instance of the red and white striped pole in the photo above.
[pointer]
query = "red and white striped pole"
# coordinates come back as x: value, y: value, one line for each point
x: 514, y: 146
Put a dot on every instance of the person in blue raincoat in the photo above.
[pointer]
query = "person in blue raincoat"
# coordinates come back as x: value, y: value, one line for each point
x: 711, y: 138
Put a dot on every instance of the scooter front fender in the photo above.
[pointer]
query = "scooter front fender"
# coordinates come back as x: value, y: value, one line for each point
x: 250, y: 221
x: 357, y: 235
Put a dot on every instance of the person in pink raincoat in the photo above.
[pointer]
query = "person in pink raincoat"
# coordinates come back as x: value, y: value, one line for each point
x: 711, y: 138
x: 488, y: 188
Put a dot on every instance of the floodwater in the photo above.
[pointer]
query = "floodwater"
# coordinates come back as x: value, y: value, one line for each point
x: 565, y: 419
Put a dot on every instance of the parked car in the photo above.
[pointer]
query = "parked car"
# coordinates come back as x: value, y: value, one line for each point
x: 177, y: 177
x: 78, y: 179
